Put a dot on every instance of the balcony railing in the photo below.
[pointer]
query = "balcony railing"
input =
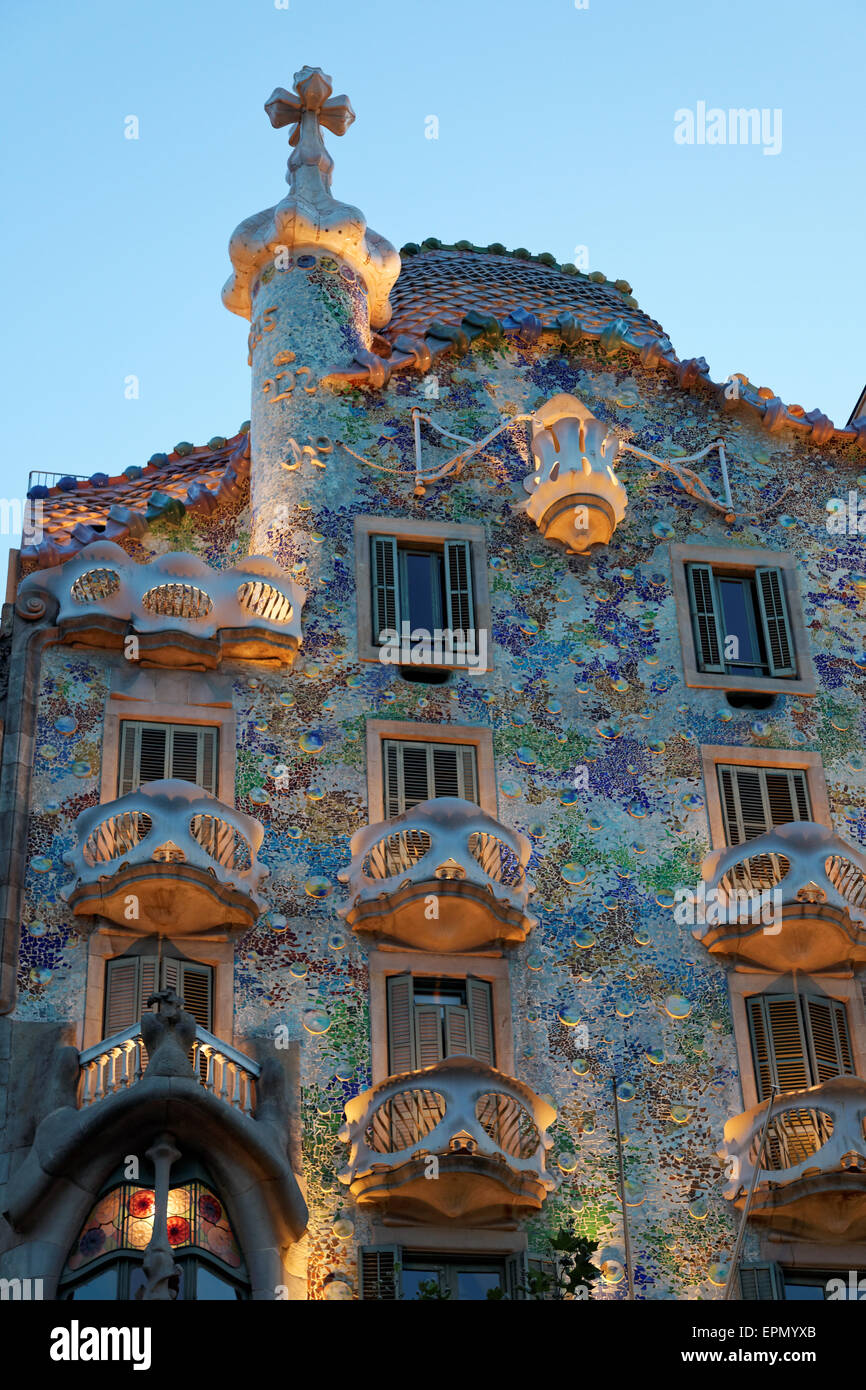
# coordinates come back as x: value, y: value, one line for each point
x: 449, y: 850
x: 486, y: 1132
x: 167, y: 854
x: 179, y: 611
x: 120, y: 1061
x: 812, y: 1177
x: 794, y: 898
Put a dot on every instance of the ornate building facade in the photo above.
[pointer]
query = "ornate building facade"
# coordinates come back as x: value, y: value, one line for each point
x: 432, y: 817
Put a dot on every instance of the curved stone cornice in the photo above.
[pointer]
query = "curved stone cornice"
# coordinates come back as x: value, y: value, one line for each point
x: 310, y: 217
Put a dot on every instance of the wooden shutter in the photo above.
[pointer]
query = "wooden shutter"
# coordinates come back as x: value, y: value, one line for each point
x: 150, y: 752
x: 779, y: 1045
x: 121, y: 994
x: 380, y: 1273
x: 479, y: 996
x: 762, y: 1282
x: 195, y: 987
x: 775, y: 621
x: 385, y: 598
x: 415, y: 772
x: 428, y: 1034
x: 458, y: 1036
x: 705, y: 610
x: 754, y: 799
x: 129, y: 983
x: 829, y: 1040
x: 515, y: 1275
x: 401, y: 1024
x: 458, y: 586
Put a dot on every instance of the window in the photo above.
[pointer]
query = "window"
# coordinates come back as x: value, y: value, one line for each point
x: 391, y: 1273
x: 430, y: 1019
x: 741, y: 622
x: 106, y: 1260
x: 428, y: 586
x: 132, y: 978
x: 430, y: 577
x: 150, y: 752
x: 415, y: 772
x: 798, y: 1040
x: 771, y: 1281
x: 755, y: 799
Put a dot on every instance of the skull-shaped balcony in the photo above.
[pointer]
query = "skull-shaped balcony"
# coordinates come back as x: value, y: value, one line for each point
x: 167, y: 857
x: 792, y: 899
x: 811, y: 1183
x: 444, y: 876
x: 457, y: 1141
x: 174, y: 612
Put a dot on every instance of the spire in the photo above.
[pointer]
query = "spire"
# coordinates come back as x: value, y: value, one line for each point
x: 310, y: 218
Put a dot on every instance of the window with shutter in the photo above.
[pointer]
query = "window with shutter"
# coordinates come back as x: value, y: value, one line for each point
x: 150, y: 752
x: 380, y: 1272
x: 755, y: 799
x: 131, y: 980
x: 741, y: 621
x: 430, y: 1019
x: 429, y: 587
x: 807, y: 1039
x: 760, y: 1281
x: 415, y: 772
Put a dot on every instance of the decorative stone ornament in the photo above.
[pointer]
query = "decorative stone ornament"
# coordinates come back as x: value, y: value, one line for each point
x: 310, y: 218
x: 575, y: 496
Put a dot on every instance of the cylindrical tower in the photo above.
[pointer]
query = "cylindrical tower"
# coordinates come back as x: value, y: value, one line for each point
x: 313, y: 281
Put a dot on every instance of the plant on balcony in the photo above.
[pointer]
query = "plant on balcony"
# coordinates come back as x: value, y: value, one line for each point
x: 573, y: 1271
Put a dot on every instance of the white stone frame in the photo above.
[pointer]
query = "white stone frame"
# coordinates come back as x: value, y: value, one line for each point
x: 742, y: 562
x: 479, y: 736
x: 177, y: 696
x: 492, y: 968
x: 714, y: 753
x: 108, y: 942
x: 407, y: 529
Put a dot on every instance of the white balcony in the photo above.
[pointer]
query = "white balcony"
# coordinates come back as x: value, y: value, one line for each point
x: 121, y: 1060
x: 444, y: 876
x: 812, y: 1181
x: 794, y: 898
x: 178, y: 610
x: 457, y: 1141
x: 167, y: 857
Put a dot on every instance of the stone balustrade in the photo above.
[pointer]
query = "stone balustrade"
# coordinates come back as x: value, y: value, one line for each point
x: 121, y: 1060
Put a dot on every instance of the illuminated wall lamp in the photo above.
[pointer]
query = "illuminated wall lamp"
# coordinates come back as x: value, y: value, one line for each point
x: 575, y: 498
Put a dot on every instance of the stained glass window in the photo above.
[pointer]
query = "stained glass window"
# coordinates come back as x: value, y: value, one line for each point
x: 123, y: 1220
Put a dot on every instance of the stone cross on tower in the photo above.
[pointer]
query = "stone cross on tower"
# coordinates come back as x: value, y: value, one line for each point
x: 310, y: 107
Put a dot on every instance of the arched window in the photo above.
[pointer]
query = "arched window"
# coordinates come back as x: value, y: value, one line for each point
x: 106, y: 1260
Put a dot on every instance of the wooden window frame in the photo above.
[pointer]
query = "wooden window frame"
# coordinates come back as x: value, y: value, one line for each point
x: 714, y: 754
x: 742, y: 563
x: 408, y: 532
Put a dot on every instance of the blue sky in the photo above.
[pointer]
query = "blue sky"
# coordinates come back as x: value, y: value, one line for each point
x: 556, y: 130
